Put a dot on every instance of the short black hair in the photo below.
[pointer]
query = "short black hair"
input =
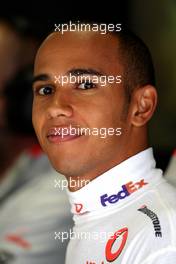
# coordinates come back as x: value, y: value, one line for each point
x: 135, y: 57
x: 136, y: 60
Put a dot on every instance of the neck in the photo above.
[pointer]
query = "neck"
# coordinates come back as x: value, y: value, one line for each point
x: 116, y: 186
x: 78, y: 182
x: 130, y: 148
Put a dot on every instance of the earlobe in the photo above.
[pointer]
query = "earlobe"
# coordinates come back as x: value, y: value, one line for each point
x: 144, y: 101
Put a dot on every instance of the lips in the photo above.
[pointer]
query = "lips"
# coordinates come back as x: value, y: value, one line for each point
x: 62, y: 134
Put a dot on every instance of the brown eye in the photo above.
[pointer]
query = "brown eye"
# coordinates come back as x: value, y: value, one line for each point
x: 86, y: 85
x: 45, y: 90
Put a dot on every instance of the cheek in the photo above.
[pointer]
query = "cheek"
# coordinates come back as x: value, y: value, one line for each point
x: 103, y: 114
x: 109, y: 108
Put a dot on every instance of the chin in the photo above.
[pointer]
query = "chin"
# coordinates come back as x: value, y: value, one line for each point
x: 67, y: 167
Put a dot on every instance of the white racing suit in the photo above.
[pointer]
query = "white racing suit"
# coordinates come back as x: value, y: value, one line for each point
x: 127, y: 215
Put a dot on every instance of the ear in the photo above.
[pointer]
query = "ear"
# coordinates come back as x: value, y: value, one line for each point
x: 143, y: 104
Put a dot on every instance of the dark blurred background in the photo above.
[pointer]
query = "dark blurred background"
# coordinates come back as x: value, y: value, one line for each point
x: 153, y: 21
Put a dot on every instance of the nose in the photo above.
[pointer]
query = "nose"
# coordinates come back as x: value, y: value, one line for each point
x: 59, y: 106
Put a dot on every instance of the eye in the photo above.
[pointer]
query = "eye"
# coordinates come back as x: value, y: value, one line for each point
x: 86, y: 85
x: 45, y: 90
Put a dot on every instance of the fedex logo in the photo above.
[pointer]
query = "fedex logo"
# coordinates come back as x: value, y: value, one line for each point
x: 126, y: 190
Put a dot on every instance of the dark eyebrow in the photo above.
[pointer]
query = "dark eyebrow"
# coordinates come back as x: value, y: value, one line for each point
x: 74, y: 71
x: 82, y: 71
x: 41, y: 77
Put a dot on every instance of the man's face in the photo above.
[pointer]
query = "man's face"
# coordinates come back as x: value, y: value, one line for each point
x: 80, y: 105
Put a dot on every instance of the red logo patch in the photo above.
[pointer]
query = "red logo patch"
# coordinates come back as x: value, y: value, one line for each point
x: 123, y: 234
x: 78, y: 207
x: 18, y: 240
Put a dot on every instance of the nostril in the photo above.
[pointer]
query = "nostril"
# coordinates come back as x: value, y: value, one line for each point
x: 59, y: 111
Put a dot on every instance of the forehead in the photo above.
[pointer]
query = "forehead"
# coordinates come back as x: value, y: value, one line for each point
x: 78, y: 49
